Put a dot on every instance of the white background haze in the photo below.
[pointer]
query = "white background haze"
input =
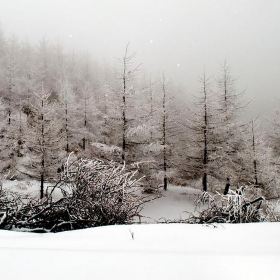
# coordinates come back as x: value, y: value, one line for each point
x: 179, y: 37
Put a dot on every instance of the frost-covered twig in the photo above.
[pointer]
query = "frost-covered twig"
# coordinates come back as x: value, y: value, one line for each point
x: 94, y: 193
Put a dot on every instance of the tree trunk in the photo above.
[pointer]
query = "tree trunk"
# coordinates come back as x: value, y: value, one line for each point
x: 124, y: 78
x: 124, y: 126
x: 204, y: 182
x: 205, y: 153
x: 66, y: 128
x: 254, y: 153
x: 84, y: 143
x: 227, y: 187
x: 151, y: 110
x: 43, y: 150
x: 85, y: 122
x: 42, y: 187
x: 9, y: 116
x: 164, y: 135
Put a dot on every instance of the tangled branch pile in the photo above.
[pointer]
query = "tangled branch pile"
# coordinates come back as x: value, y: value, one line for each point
x: 93, y: 193
x: 235, y: 207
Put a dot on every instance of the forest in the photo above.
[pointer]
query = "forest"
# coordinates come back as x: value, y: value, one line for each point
x: 54, y: 104
x: 139, y: 139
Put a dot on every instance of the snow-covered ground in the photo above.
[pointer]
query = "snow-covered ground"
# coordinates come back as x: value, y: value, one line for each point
x: 28, y: 187
x: 174, y: 204
x: 163, y: 251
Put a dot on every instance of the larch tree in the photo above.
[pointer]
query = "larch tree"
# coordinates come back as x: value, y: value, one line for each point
x: 69, y: 122
x: 13, y: 99
x: 108, y: 123
x: 164, y: 134
x: 125, y: 61
x: 254, y: 152
x: 11, y: 77
x: 143, y: 134
x: 261, y: 164
x: 4, y: 146
x: 272, y: 151
x: 86, y: 114
x: 151, y: 111
x: 274, y: 135
x: 84, y: 89
x: 128, y: 72
x: 201, y: 139
x: 43, y: 138
x: 85, y: 117
x: 3, y: 50
x: 231, y: 142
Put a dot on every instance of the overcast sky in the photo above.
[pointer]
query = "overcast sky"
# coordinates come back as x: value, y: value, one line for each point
x: 180, y: 37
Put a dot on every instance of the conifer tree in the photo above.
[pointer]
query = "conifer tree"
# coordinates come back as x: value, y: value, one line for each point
x: 43, y: 139
x: 202, y: 138
x: 230, y: 131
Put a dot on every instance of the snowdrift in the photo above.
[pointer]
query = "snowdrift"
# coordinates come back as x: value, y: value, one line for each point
x: 163, y: 251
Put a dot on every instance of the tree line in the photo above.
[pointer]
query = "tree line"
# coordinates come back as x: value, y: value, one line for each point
x: 53, y: 103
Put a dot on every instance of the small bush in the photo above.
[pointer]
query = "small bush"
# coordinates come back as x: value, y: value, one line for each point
x: 94, y: 193
x: 235, y: 207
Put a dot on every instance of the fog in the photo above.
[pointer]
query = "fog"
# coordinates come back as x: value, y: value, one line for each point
x: 182, y: 38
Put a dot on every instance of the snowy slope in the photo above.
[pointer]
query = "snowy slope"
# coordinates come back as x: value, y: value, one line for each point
x: 164, y: 251
x: 174, y: 204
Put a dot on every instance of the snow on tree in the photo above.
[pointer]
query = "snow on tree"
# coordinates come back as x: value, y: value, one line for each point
x: 43, y: 139
x: 230, y: 144
x: 164, y: 141
x: 95, y: 193
x: 92, y: 111
x: 272, y: 151
x: 202, y: 138
x: 11, y: 77
x: 12, y: 130
x: 275, y: 134
x: 68, y: 113
x: 4, y: 148
x: 2, y: 60
x: 126, y: 76
x: 168, y: 133
x: 110, y: 115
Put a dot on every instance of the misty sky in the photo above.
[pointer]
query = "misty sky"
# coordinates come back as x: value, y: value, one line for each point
x: 179, y: 37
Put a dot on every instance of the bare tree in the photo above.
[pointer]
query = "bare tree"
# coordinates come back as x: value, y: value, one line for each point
x: 151, y: 115
x: 254, y: 155
x: 126, y: 59
x: 43, y: 138
x: 231, y: 130
x: 128, y: 71
x: 164, y: 116
x: 11, y: 77
x: 205, y: 134
x: 202, y: 142
x: 85, y: 98
x: 67, y: 102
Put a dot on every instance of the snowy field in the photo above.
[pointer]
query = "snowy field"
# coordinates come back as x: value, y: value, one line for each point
x: 163, y: 251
